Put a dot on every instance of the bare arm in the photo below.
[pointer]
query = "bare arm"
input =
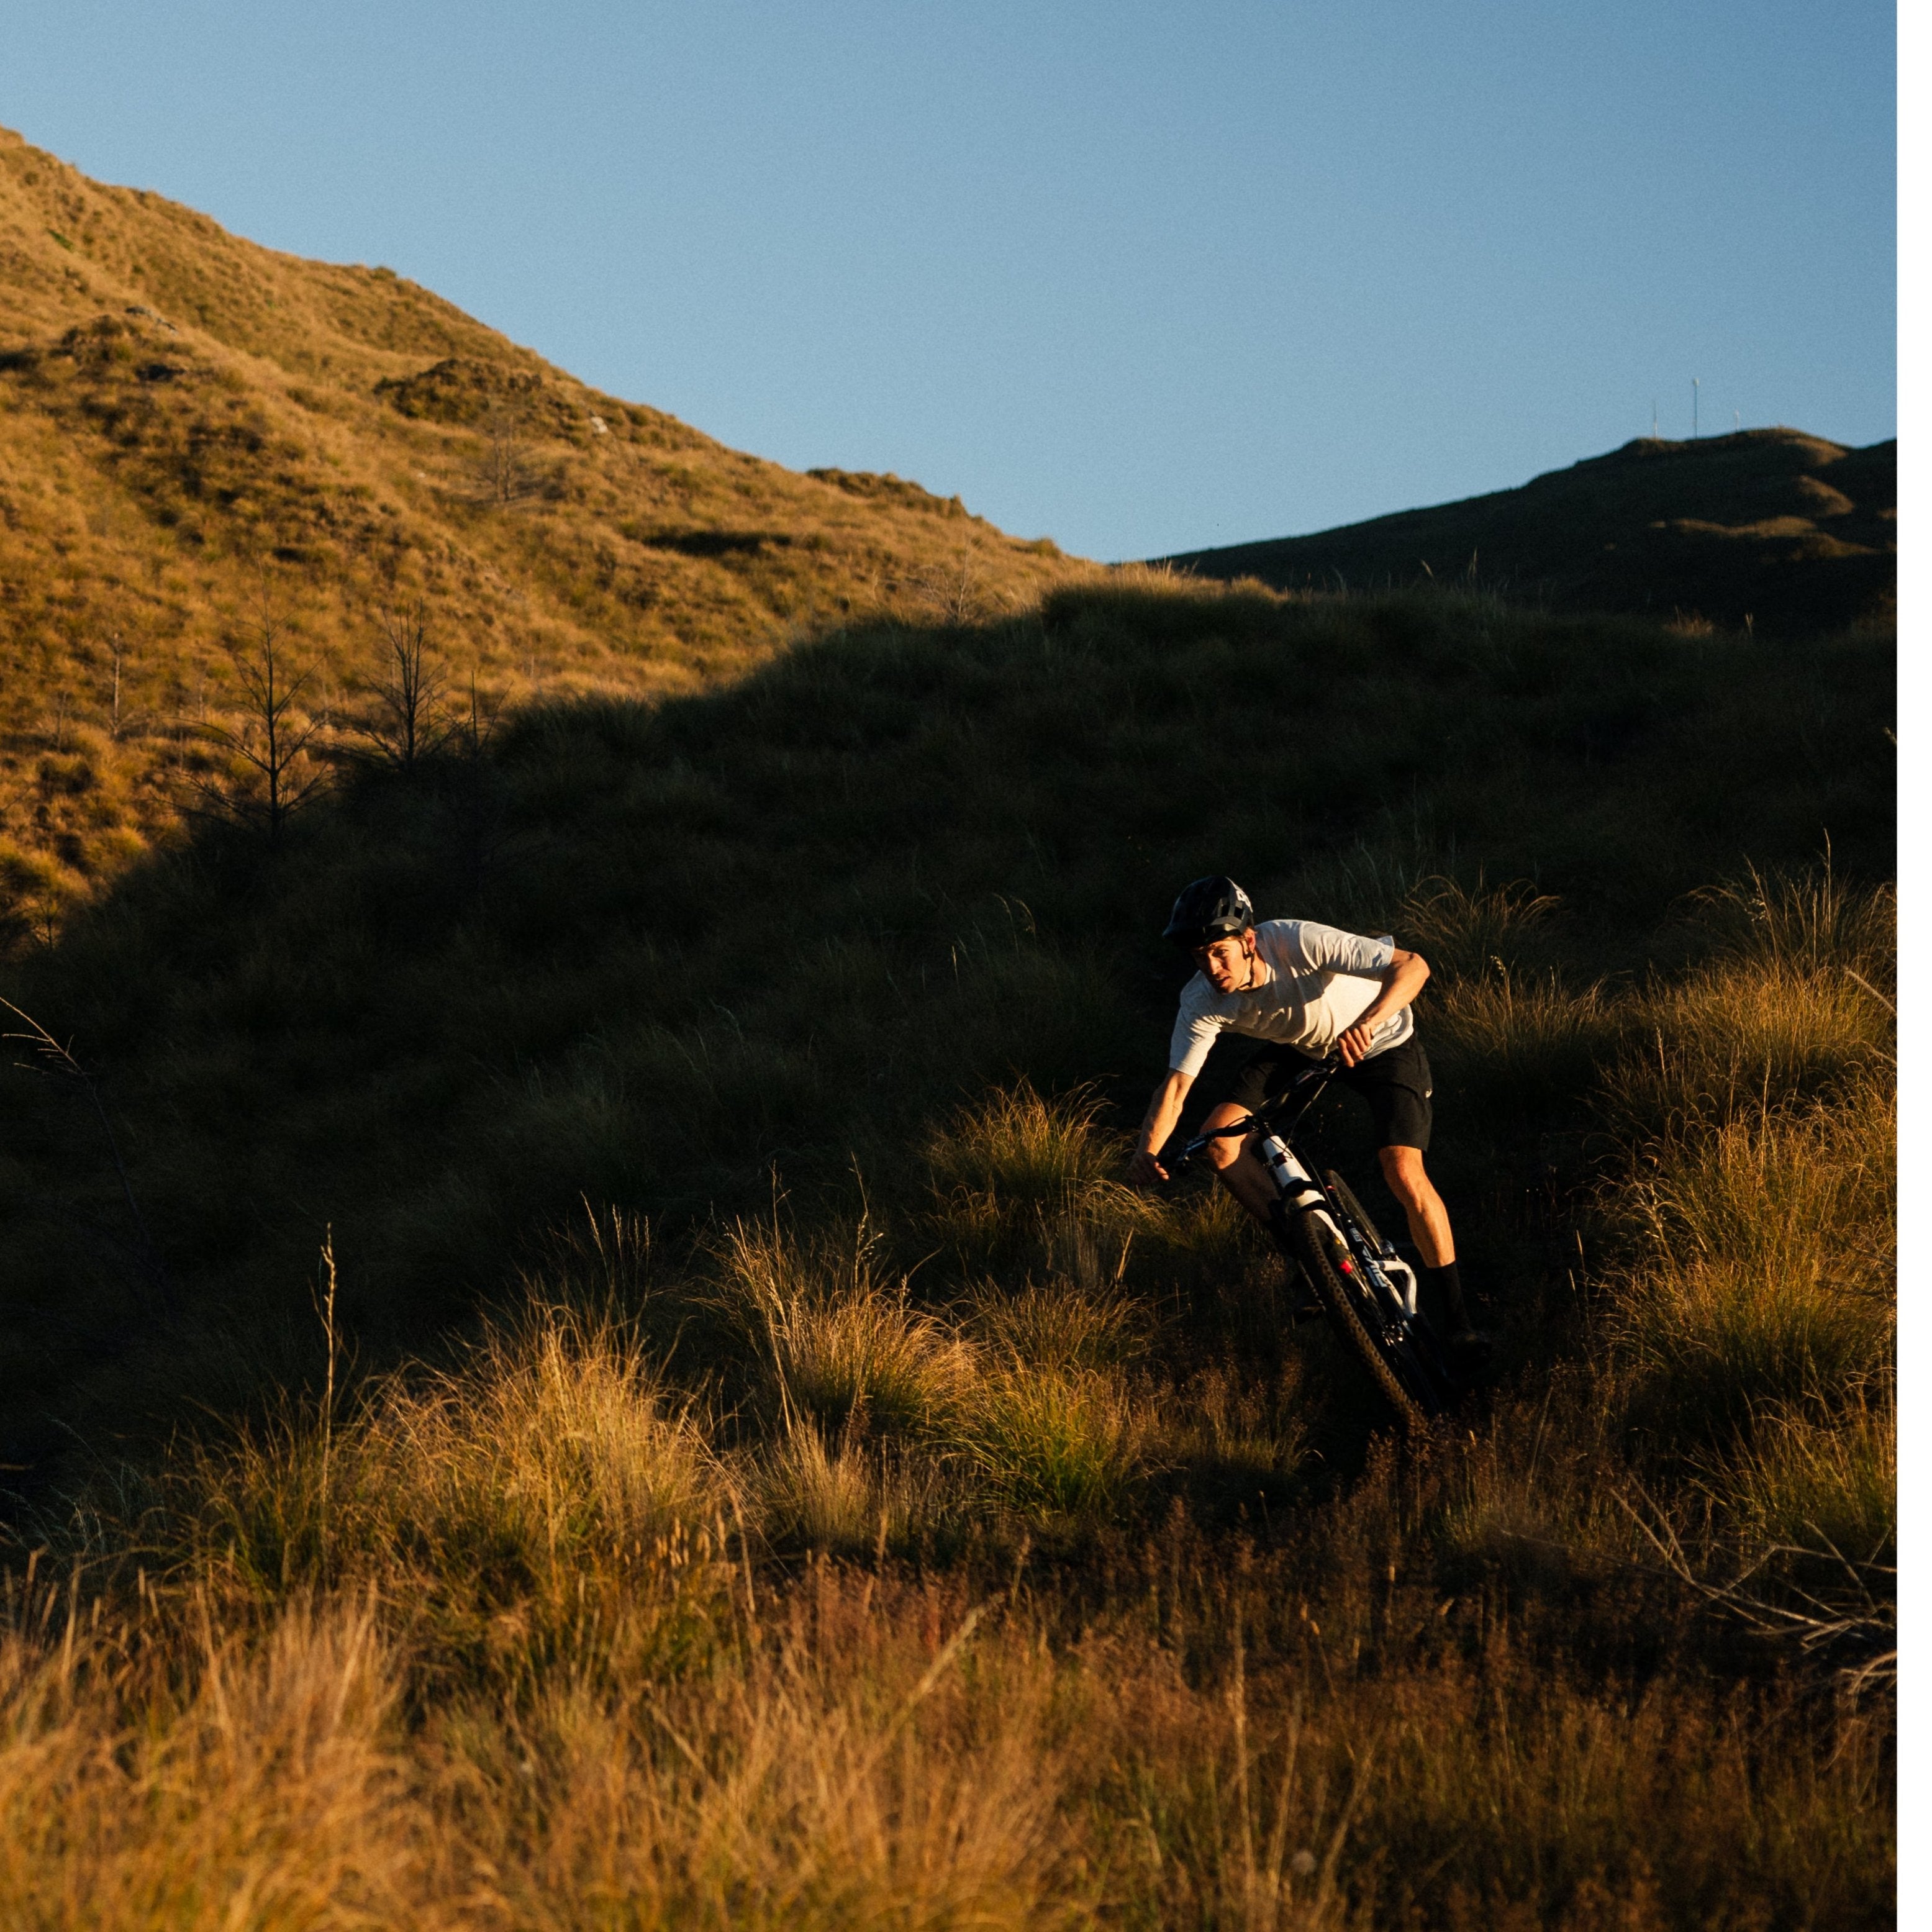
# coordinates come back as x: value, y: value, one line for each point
x: 1405, y: 978
x: 1163, y: 1111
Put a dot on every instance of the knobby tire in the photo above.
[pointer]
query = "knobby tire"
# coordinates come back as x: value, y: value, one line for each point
x: 1424, y: 1340
x: 1316, y: 1245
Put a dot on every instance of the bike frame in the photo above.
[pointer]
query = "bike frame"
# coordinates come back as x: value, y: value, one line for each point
x: 1391, y: 1280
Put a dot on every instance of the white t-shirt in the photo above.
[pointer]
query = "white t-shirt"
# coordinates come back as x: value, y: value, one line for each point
x: 1319, y: 981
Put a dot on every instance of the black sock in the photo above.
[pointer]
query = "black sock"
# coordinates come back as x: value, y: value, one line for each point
x: 1448, y: 1283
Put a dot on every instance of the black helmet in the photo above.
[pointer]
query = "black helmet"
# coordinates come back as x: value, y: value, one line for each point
x: 1209, y: 910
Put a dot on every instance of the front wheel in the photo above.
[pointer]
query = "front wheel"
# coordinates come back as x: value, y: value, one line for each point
x: 1336, y: 1278
x: 1345, y: 1198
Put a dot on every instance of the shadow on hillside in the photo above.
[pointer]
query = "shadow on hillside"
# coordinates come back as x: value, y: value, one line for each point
x: 671, y: 958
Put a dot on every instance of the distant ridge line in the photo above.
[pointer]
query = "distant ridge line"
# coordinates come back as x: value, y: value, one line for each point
x: 1773, y: 528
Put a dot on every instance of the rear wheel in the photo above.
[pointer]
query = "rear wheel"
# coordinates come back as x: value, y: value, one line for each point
x: 1336, y: 1278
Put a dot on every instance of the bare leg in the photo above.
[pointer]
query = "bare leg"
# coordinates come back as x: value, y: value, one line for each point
x: 1235, y: 1165
x: 1428, y: 1219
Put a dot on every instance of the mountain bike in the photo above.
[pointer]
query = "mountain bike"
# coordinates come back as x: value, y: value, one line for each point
x: 1366, y: 1289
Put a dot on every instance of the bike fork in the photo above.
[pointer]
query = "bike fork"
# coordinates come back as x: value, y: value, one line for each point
x: 1298, y: 1191
x: 1292, y: 1181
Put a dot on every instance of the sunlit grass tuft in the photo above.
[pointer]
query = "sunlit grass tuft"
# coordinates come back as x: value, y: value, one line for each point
x: 1828, y: 1485
x: 552, y: 1460
x: 1799, y: 924
x: 842, y: 1344
x: 1767, y: 1272
x: 1061, y: 1326
x: 1026, y: 1179
x: 837, y: 1495
x: 1064, y: 1445
x: 1793, y: 1002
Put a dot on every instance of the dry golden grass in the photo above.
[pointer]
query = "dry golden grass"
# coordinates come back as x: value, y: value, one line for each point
x: 1021, y: 1179
x: 525, y: 1641
x: 1796, y: 1001
x: 1826, y: 1484
x: 1772, y: 1240
x: 842, y: 1344
x: 868, y: 1750
x: 208, y: 1778
x: 667, y: 1605
x: 192, y: 423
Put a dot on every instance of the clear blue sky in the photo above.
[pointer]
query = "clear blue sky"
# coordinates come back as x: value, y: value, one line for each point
x: 1141, y: 277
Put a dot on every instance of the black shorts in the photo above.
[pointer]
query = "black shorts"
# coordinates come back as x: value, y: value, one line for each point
x: 1397, y: 1083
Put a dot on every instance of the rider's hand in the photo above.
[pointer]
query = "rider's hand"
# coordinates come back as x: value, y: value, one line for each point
x: 1354, y: 1045
x: 1144, y: 1170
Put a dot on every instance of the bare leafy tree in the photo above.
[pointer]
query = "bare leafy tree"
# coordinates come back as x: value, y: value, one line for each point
x: 117, y: 651
x: 271, y: 740
x: 505, y: 472
x: 478, y: 725
x: 959, y: 595
x: 415, y: 721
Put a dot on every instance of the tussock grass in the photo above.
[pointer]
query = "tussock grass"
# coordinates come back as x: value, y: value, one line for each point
x: 1062, y: 1444
x: 668, y: 1592
x: 1023, y: 1179
x: 1770, y: 1275
x: 1796, y: 1001
x: 1524, y: 1044
x: 841, y: 1345
x: 1795, y: 925
x: 1061, y: 1326
x: 883, y: 1749
x: 837, y: 1495
x: 1467, y: 929
x: 193, y: 424
x: 490, y: 1495
x: 1728, y: 1043
x: 1239, y: 1441
x: 1017, y: 1149
x: 252, y: 1778
x: 1819, y: 1484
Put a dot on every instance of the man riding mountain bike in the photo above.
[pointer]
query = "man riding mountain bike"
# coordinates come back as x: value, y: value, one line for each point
x: 1304, y: 992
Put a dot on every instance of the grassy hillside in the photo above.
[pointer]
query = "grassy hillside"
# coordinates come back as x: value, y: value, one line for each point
x: 1771, y: 529
x: 857, y: 1506
x: 195, y: 431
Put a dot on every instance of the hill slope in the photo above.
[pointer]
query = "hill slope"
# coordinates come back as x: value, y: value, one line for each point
x: 1790, y: 531
x: 189, y: 423
x: 648, y: 952
x: 872, y: 1509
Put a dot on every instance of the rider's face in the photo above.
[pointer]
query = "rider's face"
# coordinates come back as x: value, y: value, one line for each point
x: 1227, y: 963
